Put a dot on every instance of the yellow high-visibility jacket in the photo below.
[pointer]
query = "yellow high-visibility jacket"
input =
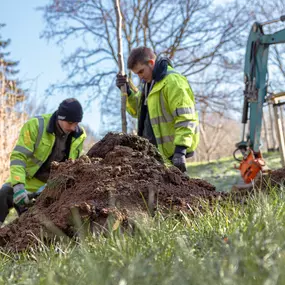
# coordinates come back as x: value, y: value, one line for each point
x: 171, y: 107
x: 34, y: 145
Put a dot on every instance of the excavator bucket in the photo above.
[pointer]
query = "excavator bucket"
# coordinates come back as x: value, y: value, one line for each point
x: 251, y: 165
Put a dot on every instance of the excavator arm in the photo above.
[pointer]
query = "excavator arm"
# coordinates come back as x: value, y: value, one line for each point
x: 255, y: 79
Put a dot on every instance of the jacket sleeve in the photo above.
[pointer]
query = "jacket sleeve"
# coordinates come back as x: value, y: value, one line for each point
x: 82, y: 138
x: 24, y: 148
x: 133, y: 103
x: 181, y: 104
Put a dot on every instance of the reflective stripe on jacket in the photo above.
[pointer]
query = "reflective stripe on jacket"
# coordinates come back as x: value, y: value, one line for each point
x: 171, y: 107
x: 34, y: 146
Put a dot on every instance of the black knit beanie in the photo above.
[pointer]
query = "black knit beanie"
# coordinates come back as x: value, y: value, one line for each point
x: 70, y: 110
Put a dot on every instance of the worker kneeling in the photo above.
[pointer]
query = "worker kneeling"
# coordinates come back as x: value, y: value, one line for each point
x: 42, y: 140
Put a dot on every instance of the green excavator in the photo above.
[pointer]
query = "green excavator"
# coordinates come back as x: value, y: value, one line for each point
x: 255, y: 96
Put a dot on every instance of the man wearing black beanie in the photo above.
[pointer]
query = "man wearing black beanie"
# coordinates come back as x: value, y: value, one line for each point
x: 42, y: 140
x: 69, y: 114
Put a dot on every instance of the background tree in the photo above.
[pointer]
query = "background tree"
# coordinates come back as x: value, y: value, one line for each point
x: 206, y: 43
x: 10, y: 90
x: 194, y: 33
x: 276, y: 60
x: 12, y: 114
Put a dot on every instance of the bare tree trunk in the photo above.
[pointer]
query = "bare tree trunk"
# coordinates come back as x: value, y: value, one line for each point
x: 273, y: 136
x: 12, y: 117
x: 121, y: 64
x: 280, y: 134
x: 282, y: 118
x: 265, y: 132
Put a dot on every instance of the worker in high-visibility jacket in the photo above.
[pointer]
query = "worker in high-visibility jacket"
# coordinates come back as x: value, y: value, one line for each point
x: 165, y: 106
x: 42, y: 140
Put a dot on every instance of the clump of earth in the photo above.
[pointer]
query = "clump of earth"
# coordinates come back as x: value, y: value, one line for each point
x: 273, y: 179
x: 121, y: 177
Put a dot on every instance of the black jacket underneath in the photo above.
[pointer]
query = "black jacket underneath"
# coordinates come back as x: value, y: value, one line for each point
x: 144, y: 125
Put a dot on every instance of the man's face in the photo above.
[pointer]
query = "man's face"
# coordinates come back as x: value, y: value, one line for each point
x: 67, y: 127
x: 144, y: 70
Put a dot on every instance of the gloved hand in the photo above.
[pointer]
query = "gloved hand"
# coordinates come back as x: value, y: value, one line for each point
x: 20, y: 196
x: 179, y: 160
x: 122, y: 80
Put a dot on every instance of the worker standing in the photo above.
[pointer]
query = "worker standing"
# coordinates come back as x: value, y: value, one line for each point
x: 165, y: 106
x: 42, y: 140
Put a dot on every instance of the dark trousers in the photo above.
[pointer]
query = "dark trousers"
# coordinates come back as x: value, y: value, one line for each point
x: 6, y: 201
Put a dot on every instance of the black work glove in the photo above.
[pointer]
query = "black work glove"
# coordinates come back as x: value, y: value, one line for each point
x: 122, y: 80
x: 179, y: 158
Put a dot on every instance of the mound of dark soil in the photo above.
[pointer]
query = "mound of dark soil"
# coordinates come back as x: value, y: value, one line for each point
x: 273, y: 179
x: 122, y: 175
x: 277, y: 177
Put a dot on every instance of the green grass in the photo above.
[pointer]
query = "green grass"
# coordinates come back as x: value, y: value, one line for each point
x: 232, y: 244
x: 235, y: 244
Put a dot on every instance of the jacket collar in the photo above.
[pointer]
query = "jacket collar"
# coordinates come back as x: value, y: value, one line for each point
x: 52, y: 125
x: 160, y: 68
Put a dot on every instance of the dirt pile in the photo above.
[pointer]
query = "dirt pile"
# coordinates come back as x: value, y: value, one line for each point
x: 272, y: 179
x: 122, y: 175
x: 277, y: 177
